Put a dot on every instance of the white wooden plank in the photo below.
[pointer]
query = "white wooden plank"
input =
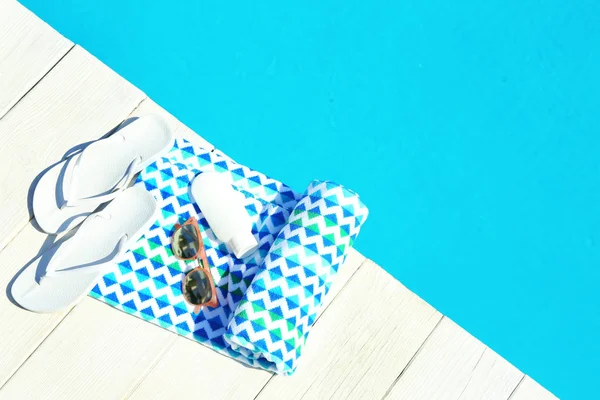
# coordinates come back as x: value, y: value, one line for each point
x: 188, y: 364
x: 529, y: 389
x: 183, y: 361
x: 21, y: 331
x: 452, y: 364
x: 79, y: 100
x: 95, y: 353
x: 361, y: 343
x: 29, y: 48
x: 493, y: 378
x: 150, y: 107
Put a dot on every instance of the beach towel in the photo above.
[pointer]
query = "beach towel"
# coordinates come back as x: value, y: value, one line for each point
x: 269, y: 300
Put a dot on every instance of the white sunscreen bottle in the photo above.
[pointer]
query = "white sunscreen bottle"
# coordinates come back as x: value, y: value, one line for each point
x: 223, y: 208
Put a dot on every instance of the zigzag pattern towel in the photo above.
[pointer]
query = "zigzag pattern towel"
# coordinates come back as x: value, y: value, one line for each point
x: 273, y: 319
x: 147, y: 279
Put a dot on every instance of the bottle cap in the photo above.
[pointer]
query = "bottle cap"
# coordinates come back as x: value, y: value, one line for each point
x: 243, y: 244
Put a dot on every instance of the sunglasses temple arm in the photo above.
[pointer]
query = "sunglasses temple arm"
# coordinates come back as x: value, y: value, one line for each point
x: 202, y: 254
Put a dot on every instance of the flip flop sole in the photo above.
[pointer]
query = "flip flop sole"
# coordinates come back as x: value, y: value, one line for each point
x: 89, y: 256
x: 103, y: 165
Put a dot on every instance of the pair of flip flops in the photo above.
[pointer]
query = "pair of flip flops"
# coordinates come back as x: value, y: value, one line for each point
x: 67, y: 196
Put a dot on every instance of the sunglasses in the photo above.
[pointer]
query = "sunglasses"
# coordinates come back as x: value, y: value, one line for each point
x: 198, y: 287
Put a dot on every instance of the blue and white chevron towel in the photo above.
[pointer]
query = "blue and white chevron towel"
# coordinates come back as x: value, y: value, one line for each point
x: 267, y: 301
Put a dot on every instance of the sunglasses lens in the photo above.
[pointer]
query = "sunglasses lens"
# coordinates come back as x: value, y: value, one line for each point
x: 186, y: 242
x: 196, y: 287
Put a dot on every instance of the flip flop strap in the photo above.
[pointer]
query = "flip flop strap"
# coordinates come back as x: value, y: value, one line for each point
x: 85, y: 269
x: 70, y: 201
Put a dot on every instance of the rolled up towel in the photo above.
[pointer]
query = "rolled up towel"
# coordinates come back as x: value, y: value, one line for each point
x: 272, y: 321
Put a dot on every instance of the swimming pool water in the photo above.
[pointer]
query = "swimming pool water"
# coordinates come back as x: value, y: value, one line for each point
x: 471, y: 129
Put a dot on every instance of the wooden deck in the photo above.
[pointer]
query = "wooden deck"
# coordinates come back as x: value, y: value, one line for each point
x: 53, y: 96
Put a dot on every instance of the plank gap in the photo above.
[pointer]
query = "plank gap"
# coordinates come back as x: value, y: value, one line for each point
x: 30, y: 47
x: 387, y: 393
x: 471, y: 375
x: 37, y: 82
x: 151, y: 368
x: 265, y: 385
x: 351, y: 342
x: 2, y: 384
x: 516, y: 387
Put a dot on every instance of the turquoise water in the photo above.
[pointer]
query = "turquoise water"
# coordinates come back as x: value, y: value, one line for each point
x: 471, y: 129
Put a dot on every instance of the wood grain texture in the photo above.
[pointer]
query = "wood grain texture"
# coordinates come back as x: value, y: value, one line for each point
x: 493, y: 378
x: 150, y: 107
x: 78, y: 101
x: 529, y: 389
x: 29, y: 48
x: 21, y: 331
x: 361, y: 343
x: 96, y: 352
x: 188, y: 365
x: 238, y: 382
x: 454, y: 365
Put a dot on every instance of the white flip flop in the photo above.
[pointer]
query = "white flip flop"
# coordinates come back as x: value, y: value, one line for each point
x: 72, y: 189
x: 64, y: 274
